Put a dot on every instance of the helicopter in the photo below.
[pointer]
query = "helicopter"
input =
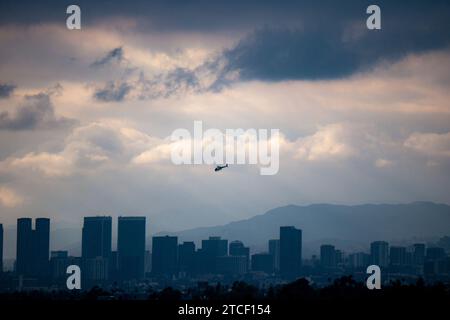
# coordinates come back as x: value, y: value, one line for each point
x: 218, y: 168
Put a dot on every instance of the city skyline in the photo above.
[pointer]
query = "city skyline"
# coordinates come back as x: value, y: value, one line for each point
x: 174, y: 261
x: 312, y: 216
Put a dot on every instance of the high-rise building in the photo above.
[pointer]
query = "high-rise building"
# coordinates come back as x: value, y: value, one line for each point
x: 96, y: 237
x: 131, y: 247
x: 327, y: 256
x: 359, y: 260
x: 340, y: 257
x: 96, y: 249
x: 290, y: 252
x: 419, y: 254
x: 237, y: 248
x: 148, y: 262
x: 164, y: 255
x: 59, y: 261
x: 274, y: 250
x: 211, y: 249
x: 262, y: 262
x: 186, y: 257
x: 42, y: 246
x: 33, y: 247
x: 435, y: 253
x: 1, y: 248
x: 379, y: 253
x: 231, y: 265
x: 397, y: 256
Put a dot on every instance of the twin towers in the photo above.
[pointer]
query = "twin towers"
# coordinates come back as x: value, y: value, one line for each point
x: 98, y: 261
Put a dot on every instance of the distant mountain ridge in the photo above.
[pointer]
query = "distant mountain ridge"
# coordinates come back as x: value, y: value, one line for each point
x: 348, y: 227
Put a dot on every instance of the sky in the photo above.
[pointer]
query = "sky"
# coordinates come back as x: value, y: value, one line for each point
x: 86, y: 115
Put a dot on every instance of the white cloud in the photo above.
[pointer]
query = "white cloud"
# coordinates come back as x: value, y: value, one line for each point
x: 49, y: 164
x: 383, y: 163
x: 431, y: 144
x: 328, y: 142
x: 9, y: 198
x: 104, y: 143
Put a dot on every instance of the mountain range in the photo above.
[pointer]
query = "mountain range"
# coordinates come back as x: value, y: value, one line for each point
x: 348, y: 227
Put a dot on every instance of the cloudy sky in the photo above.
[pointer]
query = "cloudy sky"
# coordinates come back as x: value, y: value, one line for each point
x: 86, y: 115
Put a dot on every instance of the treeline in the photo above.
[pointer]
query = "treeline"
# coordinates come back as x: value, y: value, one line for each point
x: 301, y: 290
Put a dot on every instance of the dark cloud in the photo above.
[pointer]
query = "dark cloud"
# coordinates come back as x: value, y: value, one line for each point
x: 273, y: 54
x: 113, y: 92
x: 6, y: 90
x: 36, y: 113
x: 115, y: 54
x: 179, y: 80
x: 301, y: 40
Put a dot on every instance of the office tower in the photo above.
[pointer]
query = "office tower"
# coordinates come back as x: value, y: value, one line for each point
x: 215, y: 246
x: 231, y: 265
x: 24, y: 247
x: 327, y: 256
x: 32, y: 256
x: 148, y: 262
x: 419, y: 254
x: 211, y: 249
x: 131, y: 247
x: 290, y: 252
x: 379, y: 253
x: 186, y: 257
x: 237, y: 248
x: 96, y: 249
x: 339, y: 257
x: 164, y: 255
x: 42, y: 245
x: 96, y: 237
x: 274, y: 250
x: 113, y: 266
x: 359, y: 260
x: 397, y: 256
x: 59, y: 261
x: 434, y: 254
x: 263, y: 262
x: 1, y: 248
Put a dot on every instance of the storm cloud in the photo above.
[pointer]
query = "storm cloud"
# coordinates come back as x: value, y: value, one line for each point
x: 115, y: 54
x: 37, y: 112
x: 6, y: 90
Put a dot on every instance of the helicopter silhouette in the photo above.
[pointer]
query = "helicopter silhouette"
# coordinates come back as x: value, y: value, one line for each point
x: 218, y: 168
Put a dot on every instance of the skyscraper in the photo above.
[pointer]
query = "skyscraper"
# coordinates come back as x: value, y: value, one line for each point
x: 24, y: 247
x: 231, y: 265
x: 96, y: 237
x: 1, y: 248
x: 186, y: 256
x: 397, y: 256
x: 211, y: 249
x: 164, y: 255
x: 237, y: 248
x: 131, y: 247
x: 96, y: 249
x: 262, y: 262
x: 274, y: 250
x: 419, y: 254
x: 290, y: 252
x: 33, y: 246
x: 327, y: 256
x: 42, y: 246
x: 379, y: 253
